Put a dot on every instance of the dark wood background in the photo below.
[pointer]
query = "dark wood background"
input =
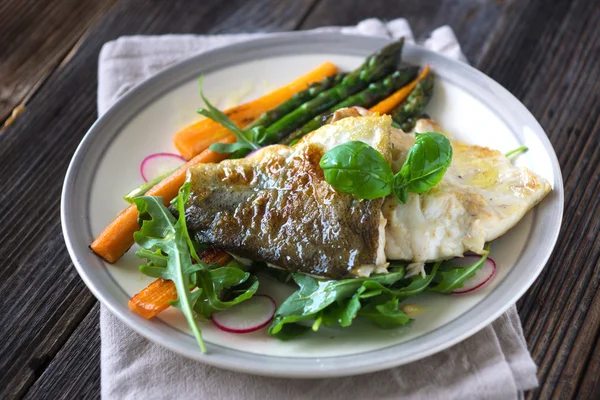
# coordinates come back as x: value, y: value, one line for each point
x: 547, y: 53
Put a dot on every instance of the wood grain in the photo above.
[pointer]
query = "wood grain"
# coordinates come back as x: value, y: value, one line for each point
x: 472, y: 20
x: 33, y: 43
x: 44, y: 300
x: 546, y: 54
x: 80, y: 353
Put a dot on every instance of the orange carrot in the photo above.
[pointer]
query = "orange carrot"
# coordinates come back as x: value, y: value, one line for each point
x: 389, y: 103
x: 197, y: 137
x: 157, y: 296
x: 117, y: 237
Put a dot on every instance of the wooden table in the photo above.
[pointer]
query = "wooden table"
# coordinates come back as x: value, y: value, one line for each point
x: 546, y: 53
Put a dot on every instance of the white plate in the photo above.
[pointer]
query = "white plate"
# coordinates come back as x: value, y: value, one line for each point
x: 466, y: 103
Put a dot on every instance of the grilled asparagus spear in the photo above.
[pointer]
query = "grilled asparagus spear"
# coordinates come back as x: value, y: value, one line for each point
x: 405, y: 114
x: 374, y: 68
x: 297, y: 100
x: 374, y: 93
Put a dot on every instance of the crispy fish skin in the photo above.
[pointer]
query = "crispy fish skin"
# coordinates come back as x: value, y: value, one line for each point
x: 276, y: 207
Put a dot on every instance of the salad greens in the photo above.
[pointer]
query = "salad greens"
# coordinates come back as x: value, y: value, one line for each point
x: 319, y: 303
x: 171, y: 254
x: 359, y: 169
x: 450, y: 278
x: 163, y: 235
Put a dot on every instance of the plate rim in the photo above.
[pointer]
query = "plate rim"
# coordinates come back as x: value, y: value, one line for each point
x: 311, y: 367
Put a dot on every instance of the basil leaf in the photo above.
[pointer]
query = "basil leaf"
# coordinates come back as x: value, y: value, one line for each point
x: 357, y: 168
x: 425, y: 165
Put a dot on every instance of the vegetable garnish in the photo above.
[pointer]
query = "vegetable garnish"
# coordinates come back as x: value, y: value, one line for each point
x: 482, y: 276
x: 248, y: 140
x: 144, y: 187
x: 159, y: 164
x: 518, y: 150
x: 425, y: 165
x: 452, y: 275
x: 196, y: 138
x: 250, y: 316
x: 170, y: 254
x: 358, y: 169
x: 330, y: 302
x: 157, y: 296
x: 168, y: 239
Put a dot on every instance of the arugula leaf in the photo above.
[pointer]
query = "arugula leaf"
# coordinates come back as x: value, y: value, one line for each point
x: 450, y: 278
x: 418, y: 284
x: 387, y: 315
x: 425, y: 165
x: 211, y: 283
x: 169, y: 250
x: 162, y: 234
x: 291, y: 331
x: 313, y: 297
x: 243, y: 139
x: 357, y: 168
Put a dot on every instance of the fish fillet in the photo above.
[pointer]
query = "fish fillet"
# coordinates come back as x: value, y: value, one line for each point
x: 481, y: 197
x: 276, y: 207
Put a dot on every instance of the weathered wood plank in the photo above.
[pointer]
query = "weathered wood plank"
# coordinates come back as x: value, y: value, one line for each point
x: 552, y: 69
x: 472, y: 20
x: 34, y: 37
x: 44, y: 300
x: 77, y: 376
x: 543, y: 54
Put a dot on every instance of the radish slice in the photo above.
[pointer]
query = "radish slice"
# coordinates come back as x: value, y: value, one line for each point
x: 248, y: 316
x: 481, y: 277
x: 159, y: 164
x: 252, y: 152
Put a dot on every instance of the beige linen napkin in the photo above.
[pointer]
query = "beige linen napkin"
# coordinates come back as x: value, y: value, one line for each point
x: 492, y: 364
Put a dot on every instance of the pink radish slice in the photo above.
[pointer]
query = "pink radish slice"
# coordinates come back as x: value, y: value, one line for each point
x: 481, y: 277
x: 158, y: 164
x: 252, y: 152
x: 248, y: 316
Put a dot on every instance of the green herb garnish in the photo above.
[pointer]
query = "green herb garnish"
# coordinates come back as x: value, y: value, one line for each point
x: 247, y: 139
x: 161, y: 235
x: 518, y: 150
x: 169, y: 250
x: 425, y: 165
x: 357, y: 168
x: 329, y: 302
x: 450, y: 278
